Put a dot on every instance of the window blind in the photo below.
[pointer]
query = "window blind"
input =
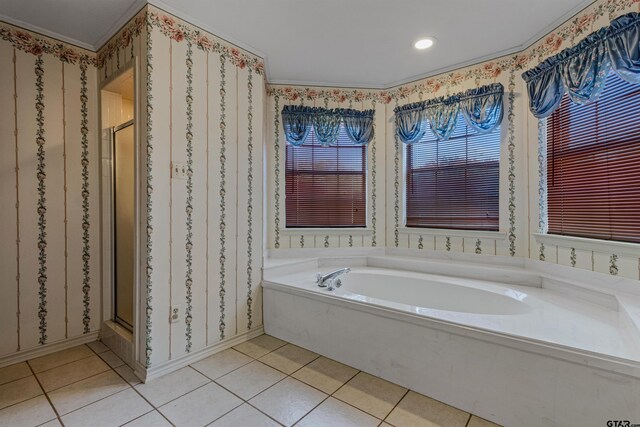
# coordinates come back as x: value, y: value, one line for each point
x: 326, y: 186
x: 454, y: 184
x: 593, y: 155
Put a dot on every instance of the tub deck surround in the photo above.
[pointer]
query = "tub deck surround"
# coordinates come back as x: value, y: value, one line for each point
x: 552, y: 350
x: 539, y: 319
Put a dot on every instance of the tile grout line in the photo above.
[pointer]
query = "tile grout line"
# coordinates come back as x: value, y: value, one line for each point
x: 86, y: 378
x: 262, y: 391
x: 55, y: 411
x: 468, y: 420
x: 312, y: 409
x: 247, y: 402
x: 328, y: 395
x: 138, y: 417
x: 395, y: 406
x: 136, y: 391
x: 291, y: 375
x: 64, y: 364
x: 210, y: 380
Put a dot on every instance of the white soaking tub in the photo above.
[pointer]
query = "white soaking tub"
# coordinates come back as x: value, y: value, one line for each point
x: 521, y: 355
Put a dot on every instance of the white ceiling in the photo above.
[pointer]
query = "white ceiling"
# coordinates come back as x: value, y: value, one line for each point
x: 353, y: 43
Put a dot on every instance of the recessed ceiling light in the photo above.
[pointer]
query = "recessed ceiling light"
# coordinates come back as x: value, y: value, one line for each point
x: 424, y: 43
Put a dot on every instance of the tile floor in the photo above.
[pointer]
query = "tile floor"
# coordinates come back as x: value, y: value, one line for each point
x: 262, y: 382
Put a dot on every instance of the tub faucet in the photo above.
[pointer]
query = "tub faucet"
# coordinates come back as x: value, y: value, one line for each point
x: 331, y: 280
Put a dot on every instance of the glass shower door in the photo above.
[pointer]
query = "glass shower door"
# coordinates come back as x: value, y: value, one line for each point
x: 123, y: 223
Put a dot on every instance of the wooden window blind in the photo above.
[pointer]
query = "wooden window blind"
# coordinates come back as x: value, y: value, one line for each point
x: 593, y: 157
x: 326, y: 186
x: 454, y: 184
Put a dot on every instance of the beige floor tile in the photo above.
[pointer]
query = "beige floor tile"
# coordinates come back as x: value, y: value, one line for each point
x: 168, y: 387
x: 19, y: 391
x: 31, y: 412
x: 201, y: 406
x: 111, y: 359
x: 71, y: 372
x: 325, y: 374
x: 333, y: 412
x: 127, y: 373
x: 245, y: 415
x: 417, y: 410
x: 14, y: 372
x: 221, y: 363
x: 259, y: 346
x: 480, y: 422
x: 98, y: 347
x: 82, y: 393
x: 250, y: 380
x: 288, y: 358
x: 152, y: 419
x: 371, y: 394
x: 288, y: 401
x: 60, y: 358
x: 114, y: 410
x: 52, y: 423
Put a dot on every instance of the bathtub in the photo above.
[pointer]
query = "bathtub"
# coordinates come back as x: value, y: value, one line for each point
x: 511, y: 345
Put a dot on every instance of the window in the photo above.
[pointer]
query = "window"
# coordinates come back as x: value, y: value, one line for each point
x: 454, y: 183
x: 593, y: 158
x: 326, y: 186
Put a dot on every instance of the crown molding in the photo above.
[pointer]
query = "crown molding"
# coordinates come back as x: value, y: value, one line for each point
x: 137, y: 5
x: 324, y: 84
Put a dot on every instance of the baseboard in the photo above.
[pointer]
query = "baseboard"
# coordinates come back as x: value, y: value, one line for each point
x: 180, y: 362
x: 45, y: 349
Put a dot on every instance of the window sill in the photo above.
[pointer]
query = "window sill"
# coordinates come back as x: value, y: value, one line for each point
x: 326, y: 231
x: 583, y: 243
x: 478, y: 234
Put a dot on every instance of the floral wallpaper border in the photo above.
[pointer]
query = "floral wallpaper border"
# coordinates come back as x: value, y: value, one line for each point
x: 222, y: 192
x: 249, y: 199
x: 511, y: 147
x: 84, y: 159
x: 149, y: 201
x: 42, y: 201
x: 188, y: 283
x: 37, y: 45
x: 122, y: 40
x: 276, y: 171
x: 178, y: 31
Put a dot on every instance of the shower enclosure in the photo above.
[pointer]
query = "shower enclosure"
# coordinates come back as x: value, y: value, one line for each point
x: 123, y: 225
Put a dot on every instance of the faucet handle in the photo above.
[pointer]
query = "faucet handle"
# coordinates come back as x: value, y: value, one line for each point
x: 337, y: 283
x: 318, y: 278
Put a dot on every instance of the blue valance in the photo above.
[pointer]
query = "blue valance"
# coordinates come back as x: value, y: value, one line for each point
x: 580, y: 71
x: 481, y: 107
x: 298, y: 121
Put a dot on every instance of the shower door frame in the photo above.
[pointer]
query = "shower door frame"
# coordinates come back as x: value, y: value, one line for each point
x: 114, y: 299
x: 106, y: 170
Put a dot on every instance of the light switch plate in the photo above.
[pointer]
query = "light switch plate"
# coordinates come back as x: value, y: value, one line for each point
x: 178, y: 170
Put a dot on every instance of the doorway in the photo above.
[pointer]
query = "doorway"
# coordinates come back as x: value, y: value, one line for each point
x: 120, y: 213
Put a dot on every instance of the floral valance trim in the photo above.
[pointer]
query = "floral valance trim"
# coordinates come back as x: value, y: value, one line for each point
x: 481, y: 107
x: 298, y: 121
x: 580, y: 71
